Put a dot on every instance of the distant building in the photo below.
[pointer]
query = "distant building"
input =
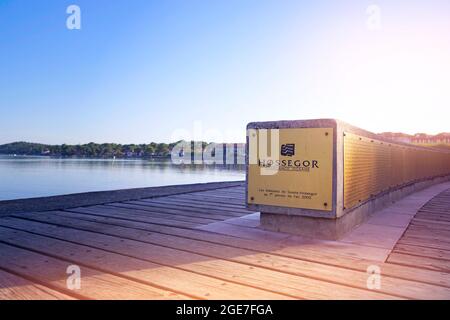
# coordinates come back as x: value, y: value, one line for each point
x: 397, y: 136
x: 421, y: 139
x: 427, y: 140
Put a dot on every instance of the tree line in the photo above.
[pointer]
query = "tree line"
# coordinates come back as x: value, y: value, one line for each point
x: 90, y: 150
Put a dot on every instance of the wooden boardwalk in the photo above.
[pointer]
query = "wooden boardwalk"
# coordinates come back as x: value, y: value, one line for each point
x: 426, y: 242
x: 206, y: 245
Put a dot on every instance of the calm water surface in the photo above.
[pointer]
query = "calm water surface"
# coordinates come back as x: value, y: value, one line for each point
x: 27, y: 177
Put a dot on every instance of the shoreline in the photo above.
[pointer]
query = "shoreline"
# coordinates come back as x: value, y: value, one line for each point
x: 82, y: 158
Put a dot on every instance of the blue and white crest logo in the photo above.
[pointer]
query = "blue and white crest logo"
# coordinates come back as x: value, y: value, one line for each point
x: 288, y: 150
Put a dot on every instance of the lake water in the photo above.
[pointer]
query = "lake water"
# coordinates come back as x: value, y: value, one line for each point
x: 27, y: 177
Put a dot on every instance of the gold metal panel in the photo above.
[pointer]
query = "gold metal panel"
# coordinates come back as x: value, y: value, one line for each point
x: 300, y: 180
x: 372, y: 166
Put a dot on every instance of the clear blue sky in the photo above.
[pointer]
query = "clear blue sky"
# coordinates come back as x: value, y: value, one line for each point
x: 140, y: 70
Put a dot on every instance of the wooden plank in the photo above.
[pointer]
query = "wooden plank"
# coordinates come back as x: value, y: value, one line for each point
x: 423, y: 262
x: 188, y: 284
x: 208, y: 204
x: 228, y: 195
x: 173, y: 212
x: 324, y: 252
x: 93, y: 198
x: 160, y: 203
x: 422, y: 251
x: 240, y: 198
x: 250, y: 254
x: 193, y: 284
x: 417, y: 231
x: 216, y: 268
x: 13, y: 287
x: 154, y: 214
x: 423, y: 242
x: 426, y: 242
x: 133, y: 217
x: 290, y: 266
x: 439, y: 201
x: 191, y: 199
x: 436, y: 209
x: 431, y: 225
x: 433, y: 216
x: 237, y: 201
x: 438, y: 204
x: 233, y: 190
x: 427, y: 236
x: 52, y: 272
x: 215, y: 199
x: 146, y: 226
x: 327, y: 250
x: 435, y: 212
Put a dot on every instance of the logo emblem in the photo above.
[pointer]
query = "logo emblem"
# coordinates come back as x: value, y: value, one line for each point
x: 288, y: 150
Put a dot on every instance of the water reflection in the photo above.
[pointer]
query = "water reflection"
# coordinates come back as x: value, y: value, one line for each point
x: 25, y: 177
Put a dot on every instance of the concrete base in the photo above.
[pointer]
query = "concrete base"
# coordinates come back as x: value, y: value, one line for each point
x: 317, y: 228
x: 334, y: 229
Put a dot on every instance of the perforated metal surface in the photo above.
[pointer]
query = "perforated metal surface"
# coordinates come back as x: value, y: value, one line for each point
x: 373, y: 166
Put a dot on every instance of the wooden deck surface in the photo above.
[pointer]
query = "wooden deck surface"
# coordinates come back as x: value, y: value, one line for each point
x: 206, y: 245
